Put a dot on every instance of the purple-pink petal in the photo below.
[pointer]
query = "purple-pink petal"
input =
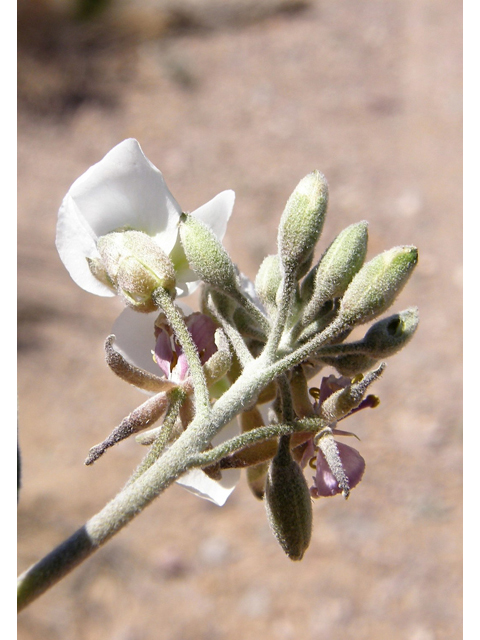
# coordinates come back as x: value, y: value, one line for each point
x: 168, y: 353
x: 164, y: 352
x: 324, y: 482
x: 181, y: 368
x: 203, y: 330
x: 331, y: 385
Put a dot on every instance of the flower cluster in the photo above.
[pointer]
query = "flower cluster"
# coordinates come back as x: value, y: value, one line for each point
x: 228, y: 386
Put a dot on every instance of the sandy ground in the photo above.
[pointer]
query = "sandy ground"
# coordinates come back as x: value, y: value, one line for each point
x: 247, y: 96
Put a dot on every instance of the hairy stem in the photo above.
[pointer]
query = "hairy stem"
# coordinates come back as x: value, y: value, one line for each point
x: 103, y: 526
x: 283, y: 310
x: 184, y: 454
x: 175, y: 319
x: 161, y: 441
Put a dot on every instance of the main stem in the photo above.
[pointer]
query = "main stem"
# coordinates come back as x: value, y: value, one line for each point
x: 103, y: 526
x: 178, y: 459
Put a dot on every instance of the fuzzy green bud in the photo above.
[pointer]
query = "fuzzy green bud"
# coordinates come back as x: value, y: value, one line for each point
x: 350, y: 365
x: 337, y: 267
x: 288, y: 503
x: 134, y: 265
x: 377, y: 284
x: 219, y: 362
x: 391, y: 334
x: 206, y: 254
x: 302, y: 222
x: 268, y: 280
x: 247, y: 325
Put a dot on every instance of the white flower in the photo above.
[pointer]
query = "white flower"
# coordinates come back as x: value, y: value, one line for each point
x: 125, y: 190
x: 136, y: 341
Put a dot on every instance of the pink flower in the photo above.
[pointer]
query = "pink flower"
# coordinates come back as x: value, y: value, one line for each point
x: 169, y: 355
x: 324, y: 482
x: 139, y: 336
x: 338, y: 467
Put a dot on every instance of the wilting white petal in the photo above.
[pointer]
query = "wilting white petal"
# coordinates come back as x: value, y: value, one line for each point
x: 216, y: 491
x: 201, y: 485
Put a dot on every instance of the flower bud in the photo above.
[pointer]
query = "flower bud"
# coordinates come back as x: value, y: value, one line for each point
x: 218, y: 364
x: 206, y: 254
x: 350, y: 365
x: 288, y: 503
x: 247, y: 326
x: 337, y: 267
x: 377, y: 284
x: 302, y: 222
x: 268, y: 281
x: 134, y: 265
x: 391, y: 334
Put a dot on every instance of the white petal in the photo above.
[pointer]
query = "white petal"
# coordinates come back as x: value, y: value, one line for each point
x: 201, y: 485
x: 198, y: 483
x: 135, y: 338
x: 216, y: 213
x: 123, y: 189
x: 187, y: 282
x: 75, y: 242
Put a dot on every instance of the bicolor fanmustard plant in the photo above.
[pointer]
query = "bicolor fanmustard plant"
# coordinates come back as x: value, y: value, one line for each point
x: 230, y: 385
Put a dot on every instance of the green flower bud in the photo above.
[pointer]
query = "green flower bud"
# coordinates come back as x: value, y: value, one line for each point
x: 206, y: 254
x: 247, y: 326
x: 391, y: 334
x: 267, y: 281
x: 288, y: 503
x: 134, y: 265
x: 350, y: 365
x: 337, y: 267
x: 219, y: 362
x: 302, y: 222
x: 377, y: 284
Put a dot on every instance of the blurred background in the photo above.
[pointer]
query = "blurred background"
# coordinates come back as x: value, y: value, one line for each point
x: 249, y: 96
